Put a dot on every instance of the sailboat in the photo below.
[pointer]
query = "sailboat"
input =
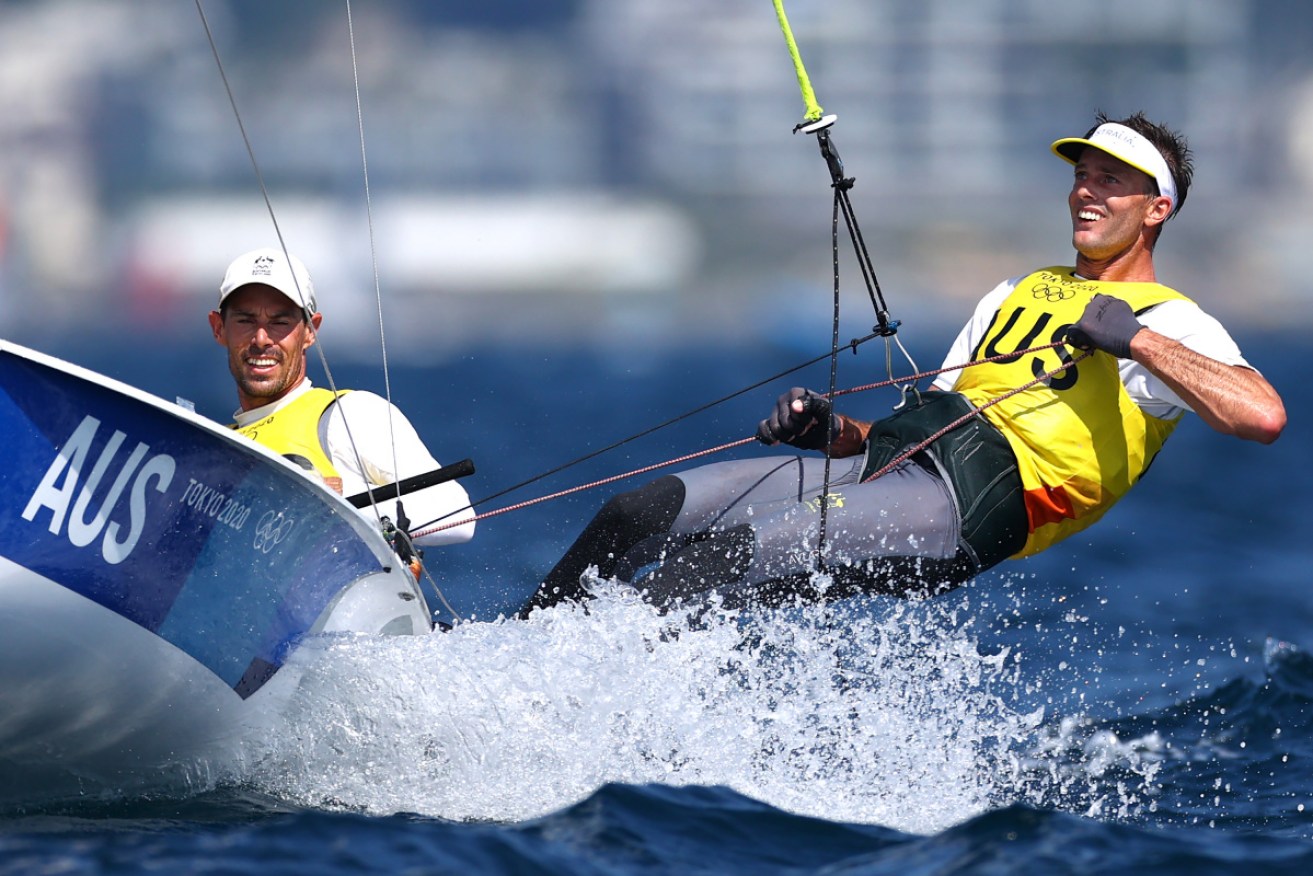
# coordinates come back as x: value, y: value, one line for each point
x: 156, y: 572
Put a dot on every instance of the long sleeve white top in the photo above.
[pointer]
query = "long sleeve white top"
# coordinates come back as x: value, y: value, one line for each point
x: 371, y: 443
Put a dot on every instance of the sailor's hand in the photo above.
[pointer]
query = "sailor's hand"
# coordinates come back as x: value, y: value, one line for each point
x: 1107, y: 324
x: 800, y: 418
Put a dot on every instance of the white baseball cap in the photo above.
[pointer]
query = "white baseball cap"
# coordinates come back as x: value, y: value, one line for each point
x: 1125, y: 144
x: 270, y: 267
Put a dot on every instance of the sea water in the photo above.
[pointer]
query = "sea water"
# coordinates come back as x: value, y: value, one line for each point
x: 1136, y: 700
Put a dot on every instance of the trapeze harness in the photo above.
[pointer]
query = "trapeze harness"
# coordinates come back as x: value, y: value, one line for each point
x: 292, y: 431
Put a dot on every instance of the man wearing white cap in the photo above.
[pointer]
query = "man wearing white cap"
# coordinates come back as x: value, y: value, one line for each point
x: 267, y: 318
x: 1011, y: 480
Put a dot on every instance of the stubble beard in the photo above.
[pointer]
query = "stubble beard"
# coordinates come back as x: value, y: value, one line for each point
x: 266, y: 388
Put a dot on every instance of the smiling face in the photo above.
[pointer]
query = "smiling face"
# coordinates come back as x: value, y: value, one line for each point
x: 266, y: 336
x: 1115, y: 214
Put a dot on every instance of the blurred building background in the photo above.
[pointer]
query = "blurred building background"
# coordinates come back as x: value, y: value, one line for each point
x: 620, y: 171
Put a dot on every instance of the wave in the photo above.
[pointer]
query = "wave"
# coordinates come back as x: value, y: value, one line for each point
x: 640, y: 829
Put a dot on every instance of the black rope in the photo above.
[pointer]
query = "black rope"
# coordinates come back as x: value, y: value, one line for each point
x: 885, y: 327
x: 842, y: 185
x: 833, y: 388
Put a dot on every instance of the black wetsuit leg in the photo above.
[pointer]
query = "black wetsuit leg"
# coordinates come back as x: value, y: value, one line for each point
x: 624, y: 521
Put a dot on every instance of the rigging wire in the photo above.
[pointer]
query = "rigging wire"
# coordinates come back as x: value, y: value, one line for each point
x: 264, y: 192
x: 250, y: 150
x: 373, y: 252
x: 404, y: 541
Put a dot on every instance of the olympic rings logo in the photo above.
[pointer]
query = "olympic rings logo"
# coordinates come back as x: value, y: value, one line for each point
x: 1051, y: 293
x: 272, y: 528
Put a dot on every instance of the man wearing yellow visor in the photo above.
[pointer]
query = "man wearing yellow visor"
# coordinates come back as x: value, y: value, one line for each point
x: 1005, y: 473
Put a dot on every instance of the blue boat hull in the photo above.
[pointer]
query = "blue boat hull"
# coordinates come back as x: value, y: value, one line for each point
x: 156, y: 571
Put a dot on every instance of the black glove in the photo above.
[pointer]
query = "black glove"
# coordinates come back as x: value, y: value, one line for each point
x: 804, y: 430
x: 1107, y: 324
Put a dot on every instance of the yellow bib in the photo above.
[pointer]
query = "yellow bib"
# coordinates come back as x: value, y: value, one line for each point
x: 1081, y: 442
x: 293, y: 430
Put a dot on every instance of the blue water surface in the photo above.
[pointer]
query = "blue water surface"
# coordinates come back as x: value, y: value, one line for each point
x: 1137, y: 700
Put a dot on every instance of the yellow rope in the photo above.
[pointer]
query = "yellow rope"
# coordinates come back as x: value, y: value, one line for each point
x: 813, y: 109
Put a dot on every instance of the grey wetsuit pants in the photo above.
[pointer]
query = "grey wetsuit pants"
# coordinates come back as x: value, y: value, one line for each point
x: 751, y: 529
